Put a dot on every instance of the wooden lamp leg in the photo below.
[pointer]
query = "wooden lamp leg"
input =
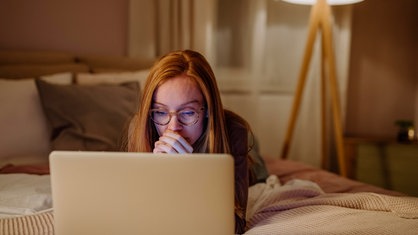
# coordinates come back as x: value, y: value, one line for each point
x: 313, y: 29
x: 324, y: 104
x: 335, y: 96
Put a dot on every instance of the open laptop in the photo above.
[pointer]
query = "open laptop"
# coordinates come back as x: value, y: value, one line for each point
x: 142, y: 193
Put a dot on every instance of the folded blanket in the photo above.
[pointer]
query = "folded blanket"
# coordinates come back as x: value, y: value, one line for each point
x: 40, y: 169
x: 301, y: 207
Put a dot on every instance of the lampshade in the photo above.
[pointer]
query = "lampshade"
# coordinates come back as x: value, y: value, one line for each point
x: 330, y: 2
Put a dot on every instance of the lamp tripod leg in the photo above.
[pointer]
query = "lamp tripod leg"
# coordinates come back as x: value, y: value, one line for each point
x: 313, y: 29
x: 324, y: 105
x: 335, y: 97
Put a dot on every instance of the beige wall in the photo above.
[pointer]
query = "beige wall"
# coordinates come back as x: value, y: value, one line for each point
x: 383, y: 77
x: 79, y: 26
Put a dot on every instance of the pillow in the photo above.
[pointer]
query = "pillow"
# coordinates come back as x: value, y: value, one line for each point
x: 97, y: 78
x: 58, y: 78
x: 24, y: 137
x: 90, y: 118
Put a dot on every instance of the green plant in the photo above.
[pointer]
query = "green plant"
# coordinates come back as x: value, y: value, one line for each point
x: 404, y: 123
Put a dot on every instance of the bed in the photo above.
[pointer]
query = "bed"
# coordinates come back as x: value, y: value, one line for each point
x: 295, y: 199
x: 290, y: 198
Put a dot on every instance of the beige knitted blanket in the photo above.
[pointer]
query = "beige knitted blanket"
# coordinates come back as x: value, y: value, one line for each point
x: 36, y: 224
x: 301, y: 207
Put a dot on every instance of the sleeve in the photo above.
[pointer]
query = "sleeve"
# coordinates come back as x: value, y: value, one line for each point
x: 238, y: 139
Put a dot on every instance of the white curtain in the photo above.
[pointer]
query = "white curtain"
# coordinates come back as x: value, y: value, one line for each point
x: 157, y: 27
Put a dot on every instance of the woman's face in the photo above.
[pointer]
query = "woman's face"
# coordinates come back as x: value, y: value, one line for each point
x: 180, y: 94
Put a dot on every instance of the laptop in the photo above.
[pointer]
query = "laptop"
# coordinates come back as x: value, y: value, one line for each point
x: 142, y: 193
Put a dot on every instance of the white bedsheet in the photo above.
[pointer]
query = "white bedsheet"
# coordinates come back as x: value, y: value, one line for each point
x: 24, y: 194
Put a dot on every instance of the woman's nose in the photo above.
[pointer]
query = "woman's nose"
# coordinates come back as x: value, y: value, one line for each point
x: 174, y: 124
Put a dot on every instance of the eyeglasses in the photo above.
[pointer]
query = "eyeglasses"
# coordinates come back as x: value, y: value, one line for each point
x: 186, y: 117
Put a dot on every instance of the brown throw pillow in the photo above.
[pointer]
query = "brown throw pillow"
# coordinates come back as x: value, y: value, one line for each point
x: 90, y: 118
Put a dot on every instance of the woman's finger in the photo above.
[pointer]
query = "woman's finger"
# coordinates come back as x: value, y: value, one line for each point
x: 177, y: 141
x: 162, y: 147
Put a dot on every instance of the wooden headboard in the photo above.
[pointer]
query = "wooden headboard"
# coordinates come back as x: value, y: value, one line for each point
x: 33, y: 64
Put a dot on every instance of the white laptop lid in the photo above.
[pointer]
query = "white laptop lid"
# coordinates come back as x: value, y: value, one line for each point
x: 142, y: 193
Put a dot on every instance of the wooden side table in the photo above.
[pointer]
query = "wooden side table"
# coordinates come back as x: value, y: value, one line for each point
x: 351, y: 150
x: 351, y: 144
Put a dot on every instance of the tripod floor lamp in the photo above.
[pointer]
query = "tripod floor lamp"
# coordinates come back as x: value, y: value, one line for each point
x: 320, y: 22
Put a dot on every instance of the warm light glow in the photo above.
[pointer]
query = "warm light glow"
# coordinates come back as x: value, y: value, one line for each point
x: 330, y: 2
x: 411, y: 134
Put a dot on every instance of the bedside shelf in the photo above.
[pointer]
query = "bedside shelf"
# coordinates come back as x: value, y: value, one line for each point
x: 383, y: 161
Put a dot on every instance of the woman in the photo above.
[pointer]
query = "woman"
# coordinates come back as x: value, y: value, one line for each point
x: 181, y: 112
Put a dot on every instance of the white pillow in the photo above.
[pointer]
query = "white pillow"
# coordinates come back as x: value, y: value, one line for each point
x: 115, y: 78
x: 23, y: 125
x: 59, y: 78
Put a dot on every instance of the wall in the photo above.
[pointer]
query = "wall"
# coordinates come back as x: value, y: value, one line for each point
x: 383, y: 75
x: 78, y: 26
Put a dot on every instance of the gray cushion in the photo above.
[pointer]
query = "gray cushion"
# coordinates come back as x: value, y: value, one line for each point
x: 88, y: 117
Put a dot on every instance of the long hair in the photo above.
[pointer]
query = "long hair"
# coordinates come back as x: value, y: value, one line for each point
x: 214, y: 139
